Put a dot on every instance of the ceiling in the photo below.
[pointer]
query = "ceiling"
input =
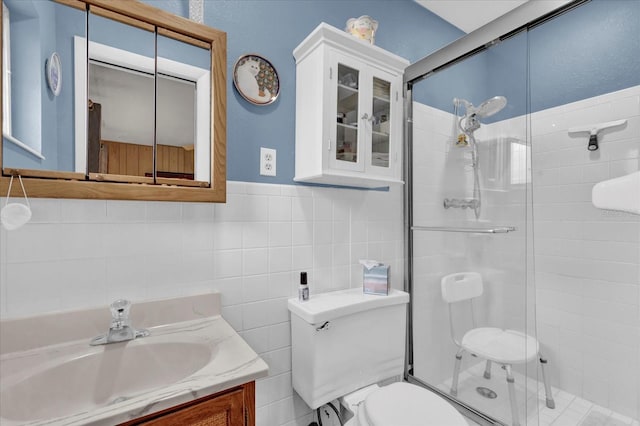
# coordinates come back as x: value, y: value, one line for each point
x: 469, y: 15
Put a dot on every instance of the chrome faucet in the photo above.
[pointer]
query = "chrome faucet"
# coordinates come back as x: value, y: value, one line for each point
x: 120, y: 329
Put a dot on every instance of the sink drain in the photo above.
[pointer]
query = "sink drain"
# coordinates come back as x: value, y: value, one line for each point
x: 486, y: 392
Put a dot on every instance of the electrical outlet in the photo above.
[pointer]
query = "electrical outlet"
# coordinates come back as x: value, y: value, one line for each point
x: 267, y: 162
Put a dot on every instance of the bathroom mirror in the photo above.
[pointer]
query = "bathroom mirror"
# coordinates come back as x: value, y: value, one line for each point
x: 141, y: 109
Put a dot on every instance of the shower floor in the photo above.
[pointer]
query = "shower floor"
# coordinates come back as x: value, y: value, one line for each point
x: 570, y: 410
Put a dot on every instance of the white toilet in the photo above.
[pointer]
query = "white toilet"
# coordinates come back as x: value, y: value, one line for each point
x: 345, y: 342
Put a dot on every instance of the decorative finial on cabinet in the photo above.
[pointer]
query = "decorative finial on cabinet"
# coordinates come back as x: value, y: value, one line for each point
x: 364, y: 28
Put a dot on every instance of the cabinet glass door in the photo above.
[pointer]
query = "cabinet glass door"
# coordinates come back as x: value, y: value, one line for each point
x: 381, y: 118
x: 347, y: 114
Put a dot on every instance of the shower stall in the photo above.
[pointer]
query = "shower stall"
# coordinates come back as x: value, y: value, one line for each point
x: 498, y: 193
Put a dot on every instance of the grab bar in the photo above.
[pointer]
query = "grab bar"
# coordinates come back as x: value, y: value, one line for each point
x: 498, y: 230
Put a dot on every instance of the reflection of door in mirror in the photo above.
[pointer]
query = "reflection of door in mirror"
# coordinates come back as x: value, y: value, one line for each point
x: 97, y: 161
x: 38, y: 123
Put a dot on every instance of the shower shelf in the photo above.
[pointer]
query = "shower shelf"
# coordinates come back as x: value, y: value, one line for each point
x: 498, y: 230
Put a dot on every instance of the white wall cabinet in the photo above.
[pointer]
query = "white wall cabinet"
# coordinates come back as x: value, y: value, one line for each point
x: 348, y: 111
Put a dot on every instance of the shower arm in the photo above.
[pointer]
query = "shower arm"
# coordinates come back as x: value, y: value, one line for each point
x: 467, y: 105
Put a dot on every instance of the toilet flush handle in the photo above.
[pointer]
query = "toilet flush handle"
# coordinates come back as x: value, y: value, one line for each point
x: 323, y: 327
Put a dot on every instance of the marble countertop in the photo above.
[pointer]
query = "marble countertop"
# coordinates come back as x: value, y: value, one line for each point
x: 201, y: 355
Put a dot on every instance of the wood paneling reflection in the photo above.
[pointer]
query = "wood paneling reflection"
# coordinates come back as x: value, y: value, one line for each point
x: 137, y: 160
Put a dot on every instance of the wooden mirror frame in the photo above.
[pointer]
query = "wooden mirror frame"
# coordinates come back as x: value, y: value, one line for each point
x: 56, y: 184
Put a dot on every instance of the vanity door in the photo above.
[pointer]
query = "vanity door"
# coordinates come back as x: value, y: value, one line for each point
x: 234, y: 407
x: 220, y: 411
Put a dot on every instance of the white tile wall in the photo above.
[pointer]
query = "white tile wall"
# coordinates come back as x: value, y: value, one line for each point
x: 76, y: 254
x: 588, y: 260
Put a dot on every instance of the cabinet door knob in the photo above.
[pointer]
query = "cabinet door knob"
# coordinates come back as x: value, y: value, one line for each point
x: 365, y: 116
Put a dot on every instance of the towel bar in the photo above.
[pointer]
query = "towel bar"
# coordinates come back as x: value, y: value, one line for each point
x: 498, y: 230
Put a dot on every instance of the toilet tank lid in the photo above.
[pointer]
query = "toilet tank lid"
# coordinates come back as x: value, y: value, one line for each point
x: 328, y: 306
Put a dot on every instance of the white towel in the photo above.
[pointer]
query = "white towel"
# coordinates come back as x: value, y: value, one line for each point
x: 621, y: 194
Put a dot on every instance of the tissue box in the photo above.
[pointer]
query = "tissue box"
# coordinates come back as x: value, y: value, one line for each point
x: 376, y: 280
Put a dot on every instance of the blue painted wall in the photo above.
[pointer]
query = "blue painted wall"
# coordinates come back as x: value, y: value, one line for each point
x: 273, y: 28
x: 591, y: 50
x: 26, y: 78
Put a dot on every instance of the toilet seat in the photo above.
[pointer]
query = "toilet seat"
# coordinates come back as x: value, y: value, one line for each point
x: 404, y: 404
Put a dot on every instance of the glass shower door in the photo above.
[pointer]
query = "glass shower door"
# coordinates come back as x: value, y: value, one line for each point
x: 469, y: 208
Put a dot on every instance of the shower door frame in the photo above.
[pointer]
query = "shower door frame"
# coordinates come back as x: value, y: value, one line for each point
x: 522, y: 18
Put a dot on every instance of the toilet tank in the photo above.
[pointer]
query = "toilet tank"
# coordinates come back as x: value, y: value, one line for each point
x: 344, y: 340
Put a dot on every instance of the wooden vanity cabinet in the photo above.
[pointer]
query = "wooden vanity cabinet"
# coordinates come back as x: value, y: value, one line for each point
x: 233, y: 407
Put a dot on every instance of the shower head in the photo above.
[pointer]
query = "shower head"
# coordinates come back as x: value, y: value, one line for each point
x: 491, y: 106
x: 486, y: 109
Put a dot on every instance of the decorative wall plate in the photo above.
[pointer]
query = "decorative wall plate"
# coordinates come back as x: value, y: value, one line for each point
x: 54, y: 73
x: 256, y: 79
